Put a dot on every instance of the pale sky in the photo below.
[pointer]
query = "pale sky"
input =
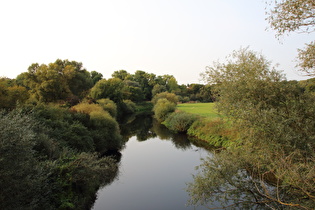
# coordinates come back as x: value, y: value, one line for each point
x: 176, y: 37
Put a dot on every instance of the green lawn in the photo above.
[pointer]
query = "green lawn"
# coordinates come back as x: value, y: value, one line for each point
x: 202, y: 109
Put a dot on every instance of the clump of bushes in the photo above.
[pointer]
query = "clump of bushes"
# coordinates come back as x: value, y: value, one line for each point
x: 163, y: 108
x: 169, y: 96
x: 129, y: 106
x: 109, y: 106
x: 179, y: 121
x: 103, y: 127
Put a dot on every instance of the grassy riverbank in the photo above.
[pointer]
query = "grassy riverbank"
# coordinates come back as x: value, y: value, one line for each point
x: 201, y: 109
x: 209, y: 126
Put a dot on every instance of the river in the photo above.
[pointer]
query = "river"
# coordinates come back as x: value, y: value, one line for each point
x: 153, y: 173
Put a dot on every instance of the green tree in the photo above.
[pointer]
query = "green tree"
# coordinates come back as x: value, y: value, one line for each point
x: 121, y: 74
x: 296, y: 15
x: 158, y: 89
x: 96, y: 76
x: 146, y: 81
x: 132, y: 91
x: 111, y: 88
x: 292, y: 15
x: 56, y: 81
x: 169, y: 96
x: 306, y: 59
x: 272, y: 159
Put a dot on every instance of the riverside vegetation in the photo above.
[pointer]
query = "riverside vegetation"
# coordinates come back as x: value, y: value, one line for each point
x: 60, y: 126
x: 59, y: 122
x: 265, y: 136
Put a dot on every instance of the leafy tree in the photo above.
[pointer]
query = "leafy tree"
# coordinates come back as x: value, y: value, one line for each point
x: 158, y: 89
x: 132, y: 91
x: 121, y: 74
x: 306, y: 59
x: 146, y: 81
x: 274, y: 152
x: 169, y: 96
x: 296, y: 15
x: 56, y: 81
x: 111, y: 88
x: 292, y: 15
x: 172, y: 85
x: 96, y: 76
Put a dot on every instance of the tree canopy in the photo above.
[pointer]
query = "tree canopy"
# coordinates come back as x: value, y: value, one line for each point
x: 296, y: 16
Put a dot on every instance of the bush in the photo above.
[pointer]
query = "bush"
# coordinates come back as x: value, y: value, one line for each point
x: 109, y: 106
x: 87, y: 108
x: 169, y: 96
x: 106, y: 133
x: 163, y: 108
x: 129, y: 107
x: 179, y: 121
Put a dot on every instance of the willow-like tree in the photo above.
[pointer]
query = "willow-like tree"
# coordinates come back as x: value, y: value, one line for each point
x: 296, y: 16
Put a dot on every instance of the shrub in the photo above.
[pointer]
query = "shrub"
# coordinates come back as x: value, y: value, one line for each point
x: 179, y: 121
x: 106, y: 133
x: 169, y: 96
x: 129, y: 107
x: 87, y: 108
x: 108, y: 105
x: 163, y: 108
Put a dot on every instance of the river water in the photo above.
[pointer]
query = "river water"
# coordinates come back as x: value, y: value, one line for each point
x: 153, y: 173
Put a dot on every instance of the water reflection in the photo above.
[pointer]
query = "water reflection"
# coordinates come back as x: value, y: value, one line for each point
x: 155, y: 166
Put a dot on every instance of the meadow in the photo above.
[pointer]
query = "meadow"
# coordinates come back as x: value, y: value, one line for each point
x: 202, y: 109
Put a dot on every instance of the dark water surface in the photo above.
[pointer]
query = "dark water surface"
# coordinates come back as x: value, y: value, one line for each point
x: 152, y: 175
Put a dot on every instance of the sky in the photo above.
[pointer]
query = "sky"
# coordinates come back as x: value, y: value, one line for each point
x: 175, y: 37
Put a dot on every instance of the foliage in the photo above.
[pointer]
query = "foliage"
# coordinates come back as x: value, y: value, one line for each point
x: 245, y: 83
x: 76, y: 177
x: 109, y: 106
x: 158, y: 89
x: 65, y: 127
x: 274, y: 144
x: 169, y: 96
x: 96, y: 76
x: 296, y: 15
x: 216, y: 132
x: 163, y: 108
x: 130, y: 107
x: 21, y: 176
x: 11, y: 94
x: 56, y: 81
x: 103, y: 127
x: 306, y: 59
x: 179, y: 121
x: 111, y: 89
x: 292, y: 15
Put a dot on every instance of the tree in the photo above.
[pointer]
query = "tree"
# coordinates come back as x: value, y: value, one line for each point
x: 296, y: 15
x: 111, y: 88
x: 121, y: 74
x: 271, y: 161
x: 306, y: 59
x: 96, y: 76
x: 292, y: 15
x: 60, y: 80
x: 146, y: 81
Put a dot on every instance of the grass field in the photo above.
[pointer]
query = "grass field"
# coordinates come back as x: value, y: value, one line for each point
x: 202, y: 109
